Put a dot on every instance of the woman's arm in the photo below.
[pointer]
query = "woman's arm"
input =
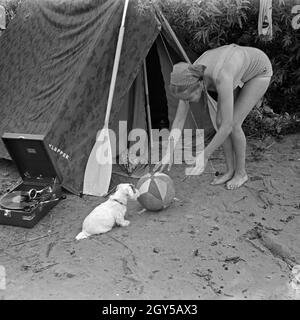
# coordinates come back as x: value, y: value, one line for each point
x: 175, y: 134
x: 179, y: 121
x: 224, y: 86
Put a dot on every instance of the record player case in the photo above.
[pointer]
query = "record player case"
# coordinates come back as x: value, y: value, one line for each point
x: 39, y: 188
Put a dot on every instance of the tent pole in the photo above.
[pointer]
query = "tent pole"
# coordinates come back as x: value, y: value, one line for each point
x: 148, y: 109
x: 172, y: 33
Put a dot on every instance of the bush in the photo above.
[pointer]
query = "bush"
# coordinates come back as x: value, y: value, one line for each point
x: 10, y: 7
x: 264, y: 122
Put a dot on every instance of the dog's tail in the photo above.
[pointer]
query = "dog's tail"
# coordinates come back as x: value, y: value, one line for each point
x: 82, y: 235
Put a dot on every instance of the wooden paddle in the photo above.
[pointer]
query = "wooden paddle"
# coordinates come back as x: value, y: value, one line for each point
x: 98, y: 170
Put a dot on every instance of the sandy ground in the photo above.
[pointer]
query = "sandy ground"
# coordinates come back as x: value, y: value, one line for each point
x: 213, y: 244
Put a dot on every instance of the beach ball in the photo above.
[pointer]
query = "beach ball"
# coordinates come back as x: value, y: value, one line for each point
x: 156, y: 191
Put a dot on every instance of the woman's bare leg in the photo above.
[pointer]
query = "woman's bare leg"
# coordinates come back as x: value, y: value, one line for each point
x: 229, y: 157
x: 228, y: 152
x: 252, y: 91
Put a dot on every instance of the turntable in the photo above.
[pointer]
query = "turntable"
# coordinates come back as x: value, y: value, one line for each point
x: 39, y: 188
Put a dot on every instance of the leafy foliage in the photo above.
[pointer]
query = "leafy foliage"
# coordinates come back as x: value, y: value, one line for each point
x: 10, y: 7
x: 264, y: 122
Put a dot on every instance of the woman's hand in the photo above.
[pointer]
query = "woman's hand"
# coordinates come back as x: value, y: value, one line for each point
x: 165, y: 161
x: 175, y: 134
x: 168, y: 158
x: 198, y: 166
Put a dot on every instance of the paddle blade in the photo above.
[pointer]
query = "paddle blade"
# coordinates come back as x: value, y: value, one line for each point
x: 98, y: 170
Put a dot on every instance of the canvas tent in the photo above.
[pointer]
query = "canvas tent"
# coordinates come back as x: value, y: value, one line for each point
x: 56, y: 62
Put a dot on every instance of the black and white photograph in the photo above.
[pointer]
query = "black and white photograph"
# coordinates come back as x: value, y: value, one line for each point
x: 149, y: 152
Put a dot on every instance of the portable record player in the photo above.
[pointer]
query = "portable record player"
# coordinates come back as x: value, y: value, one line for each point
x: 39, y: 188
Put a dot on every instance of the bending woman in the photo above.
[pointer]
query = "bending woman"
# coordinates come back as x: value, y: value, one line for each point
x: 240, y: 76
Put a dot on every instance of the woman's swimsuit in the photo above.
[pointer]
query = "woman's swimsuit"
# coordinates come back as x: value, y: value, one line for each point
x: 256, y: 64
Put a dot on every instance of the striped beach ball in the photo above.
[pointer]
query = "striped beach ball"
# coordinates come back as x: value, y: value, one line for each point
x: 157, y: 191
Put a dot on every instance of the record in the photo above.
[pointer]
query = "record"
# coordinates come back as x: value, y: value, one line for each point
x: 17, y: 200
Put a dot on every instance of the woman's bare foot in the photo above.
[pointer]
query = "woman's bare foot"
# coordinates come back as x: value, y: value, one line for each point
x: 237, y: 181
x: 222, y: 179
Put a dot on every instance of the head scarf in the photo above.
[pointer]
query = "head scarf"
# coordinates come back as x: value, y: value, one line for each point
x: 186, y: 74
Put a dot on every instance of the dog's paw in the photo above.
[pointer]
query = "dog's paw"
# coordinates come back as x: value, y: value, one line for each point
x: 125, y: 223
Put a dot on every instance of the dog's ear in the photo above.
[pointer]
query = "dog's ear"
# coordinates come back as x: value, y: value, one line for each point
x: 132, y: 187
x: 119, y: 186
x: 133, y: 192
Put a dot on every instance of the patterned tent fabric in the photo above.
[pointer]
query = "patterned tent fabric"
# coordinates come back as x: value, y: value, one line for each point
x: 56, y: 62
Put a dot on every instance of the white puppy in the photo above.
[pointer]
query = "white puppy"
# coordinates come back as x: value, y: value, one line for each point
x: 109, y: 213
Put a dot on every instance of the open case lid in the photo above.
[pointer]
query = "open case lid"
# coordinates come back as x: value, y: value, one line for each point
x: 2, y: 18
x: 31, y: 156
